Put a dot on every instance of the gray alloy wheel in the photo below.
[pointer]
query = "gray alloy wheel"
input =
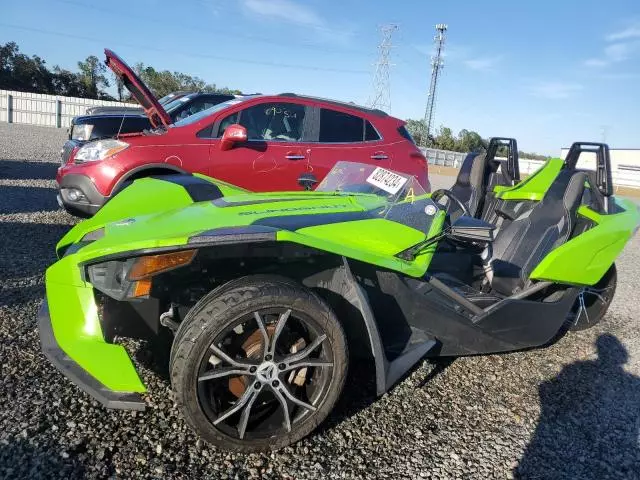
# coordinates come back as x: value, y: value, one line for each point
x: 258, y: 365
x: 593, y: 302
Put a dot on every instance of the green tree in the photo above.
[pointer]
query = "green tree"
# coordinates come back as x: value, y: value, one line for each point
x: 164, y: 82
x: 415, y: 129
x: 469, y: 141
x: 444, y: 139
x: 68, y: 83
x: 20, y: 72
x: 92, y: 75
x: 120, y: 90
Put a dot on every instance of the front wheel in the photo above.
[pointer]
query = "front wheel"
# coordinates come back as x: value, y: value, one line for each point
x: 593, y: 302
x: 258, y: 365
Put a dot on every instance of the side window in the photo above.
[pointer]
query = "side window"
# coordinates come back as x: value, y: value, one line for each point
x: 340, y: 127
x: 274, y: 121
x: 370, y: 133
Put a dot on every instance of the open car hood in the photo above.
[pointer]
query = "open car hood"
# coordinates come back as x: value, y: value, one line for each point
x: 157, y: 115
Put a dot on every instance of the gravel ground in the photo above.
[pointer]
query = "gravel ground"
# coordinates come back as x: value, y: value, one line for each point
x: 570, y: 411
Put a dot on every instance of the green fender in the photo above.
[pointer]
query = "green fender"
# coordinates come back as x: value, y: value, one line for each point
x: 585, y: 259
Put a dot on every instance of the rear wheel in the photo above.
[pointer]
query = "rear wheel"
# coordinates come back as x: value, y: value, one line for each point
x: 258, y: 365
x: 593, y: 302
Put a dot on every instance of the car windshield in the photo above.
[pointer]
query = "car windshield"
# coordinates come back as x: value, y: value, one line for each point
x: 170, y: 97
x: 178, y: 102
x: 205, y: 113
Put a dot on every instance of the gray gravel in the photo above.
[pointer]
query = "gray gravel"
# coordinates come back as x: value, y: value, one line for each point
x: 563, y: 412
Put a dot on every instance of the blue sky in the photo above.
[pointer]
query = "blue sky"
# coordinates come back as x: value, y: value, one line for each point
x: 546, y: 72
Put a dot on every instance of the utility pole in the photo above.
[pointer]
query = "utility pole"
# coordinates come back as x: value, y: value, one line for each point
x: 437, y: 64
x: 381, y: 84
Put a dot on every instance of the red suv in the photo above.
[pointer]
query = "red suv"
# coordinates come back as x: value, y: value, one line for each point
x: 259, y: 142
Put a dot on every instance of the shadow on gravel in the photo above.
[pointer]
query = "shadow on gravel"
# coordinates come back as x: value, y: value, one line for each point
x: 27, y: 250
x: 589, y: 423
x: 15, y: 199
x: 153, y: 354
x: 24, y: 169
x: 13, y: 297
x: 19, y: 459
x: 440, y: 364
x: 359, y: 392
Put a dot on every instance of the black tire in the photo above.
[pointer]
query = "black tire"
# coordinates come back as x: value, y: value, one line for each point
x: 219, y: 290
x: 597, y: 300
x: 218, y: 315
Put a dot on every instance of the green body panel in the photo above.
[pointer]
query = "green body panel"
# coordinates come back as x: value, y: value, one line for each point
x: 147, y: 196
x: 421, y: 263
x: 585, y: 259
x: 154, y: 214
x: 77, y: 329
x: 535, y: 185
x: 374, y: 240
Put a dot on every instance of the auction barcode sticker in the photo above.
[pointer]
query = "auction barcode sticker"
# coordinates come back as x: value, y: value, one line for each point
x: 386, y: 180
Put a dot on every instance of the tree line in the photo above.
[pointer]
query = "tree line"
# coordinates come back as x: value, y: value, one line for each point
x: 21, y: 72
x: 465, y: 141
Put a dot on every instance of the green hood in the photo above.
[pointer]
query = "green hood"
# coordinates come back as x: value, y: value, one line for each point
x: 158, y: 213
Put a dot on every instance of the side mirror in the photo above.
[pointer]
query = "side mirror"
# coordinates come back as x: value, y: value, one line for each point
x: 307, y: 181
x: 470, y: 229
x: 233, y: 134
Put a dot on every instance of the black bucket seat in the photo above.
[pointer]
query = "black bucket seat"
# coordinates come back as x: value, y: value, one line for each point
x: 520, y: 246
x: 479, y: 173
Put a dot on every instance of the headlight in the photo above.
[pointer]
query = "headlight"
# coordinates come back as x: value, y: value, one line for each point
x: 99, y: 150
x: 132, y: 278
x: 81, y: 132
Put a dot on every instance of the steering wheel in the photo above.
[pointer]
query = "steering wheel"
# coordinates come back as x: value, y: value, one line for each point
x: 443, y: 192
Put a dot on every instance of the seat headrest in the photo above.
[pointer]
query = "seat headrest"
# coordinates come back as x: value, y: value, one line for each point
x: 464, y: 175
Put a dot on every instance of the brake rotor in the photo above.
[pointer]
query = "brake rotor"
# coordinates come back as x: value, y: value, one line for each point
x: 253, y: 348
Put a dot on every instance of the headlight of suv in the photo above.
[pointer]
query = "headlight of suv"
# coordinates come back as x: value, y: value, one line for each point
x: 95, y: 151
x: 81, y: 132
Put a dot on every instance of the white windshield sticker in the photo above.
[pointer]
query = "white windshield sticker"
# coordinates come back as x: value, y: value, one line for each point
x: 388, y: 181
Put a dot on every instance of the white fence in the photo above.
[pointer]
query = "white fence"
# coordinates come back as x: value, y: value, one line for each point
x: 444, y: 158
x: 45, y: 110
x: 624, y: 175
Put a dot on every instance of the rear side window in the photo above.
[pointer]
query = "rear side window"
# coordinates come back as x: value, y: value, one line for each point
x: 338, y: 127
x: 370, y: 133
x: 405, y: 133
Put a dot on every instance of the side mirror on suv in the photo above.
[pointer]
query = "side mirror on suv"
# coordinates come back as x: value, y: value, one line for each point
x: 233, y: 134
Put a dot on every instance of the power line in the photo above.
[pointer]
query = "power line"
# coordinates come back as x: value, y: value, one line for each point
x: 381, y: 82
x: 215, y: 31
x: 186, y: 54
x: 437, y: 64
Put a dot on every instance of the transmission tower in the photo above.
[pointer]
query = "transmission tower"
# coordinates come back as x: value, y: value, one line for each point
x: 437, y: 64
x: 381, y: 85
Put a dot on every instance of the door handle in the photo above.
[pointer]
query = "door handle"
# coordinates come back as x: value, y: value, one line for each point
x: 379, y: 156
x: 291, y: 156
